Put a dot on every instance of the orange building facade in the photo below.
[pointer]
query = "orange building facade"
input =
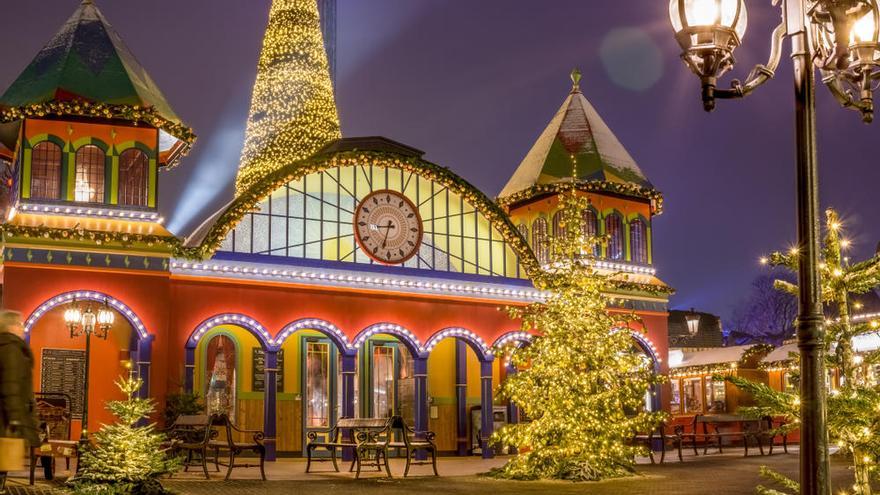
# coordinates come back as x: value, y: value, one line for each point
x: 363, y: 281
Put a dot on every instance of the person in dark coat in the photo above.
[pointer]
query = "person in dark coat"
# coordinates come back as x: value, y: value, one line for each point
x: 17, y: 406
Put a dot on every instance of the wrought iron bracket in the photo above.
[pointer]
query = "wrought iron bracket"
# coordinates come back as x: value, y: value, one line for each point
x: 761, y: 73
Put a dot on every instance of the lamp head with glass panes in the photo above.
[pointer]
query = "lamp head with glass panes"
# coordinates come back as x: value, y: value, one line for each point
x: 708, y: 31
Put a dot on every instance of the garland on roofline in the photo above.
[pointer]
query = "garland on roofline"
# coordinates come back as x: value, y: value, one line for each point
x: 249, y: 199
x: 82, y: 108
x: 654, y: 290
x: 712, y: 368
x: 77, y: 233
x: 623, y: 188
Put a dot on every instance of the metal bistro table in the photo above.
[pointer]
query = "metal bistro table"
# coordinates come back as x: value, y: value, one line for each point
x: 722, y: 425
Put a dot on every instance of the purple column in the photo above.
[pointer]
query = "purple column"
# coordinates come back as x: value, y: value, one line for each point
x: 144, y: 357
x: 420, y: 373
x: 512, y: 409
x: 349, y: 375
x: 487, y: 425
x: 189, y: 369
x: 271, y: 390
x: 461, y: 409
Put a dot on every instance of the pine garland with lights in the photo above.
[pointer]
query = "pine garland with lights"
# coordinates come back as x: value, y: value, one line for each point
x: 126, y: 458
x: 293, y: 109
x: 581, y: 382
x: 654, y: 196
x: 852, y: 420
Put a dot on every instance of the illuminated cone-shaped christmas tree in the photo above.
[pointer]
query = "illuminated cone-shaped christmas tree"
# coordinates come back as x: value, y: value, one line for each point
x: 581, y: 382
x: 293, y: 110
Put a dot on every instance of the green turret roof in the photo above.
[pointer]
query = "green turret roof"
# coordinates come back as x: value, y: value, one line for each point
x: 576, y: 139
x: 87, y: 60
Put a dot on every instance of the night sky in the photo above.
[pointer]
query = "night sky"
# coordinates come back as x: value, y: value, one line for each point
x: 473, y: 83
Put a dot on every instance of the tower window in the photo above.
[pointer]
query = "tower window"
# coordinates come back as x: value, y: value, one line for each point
x: 46, y: 171
x: 134, y: 168
x: 89, y: 174
x: 614, y: 231
x: 539, y: 240
x: 638, y: 239
x: 558, y: 227
x: 590, y: 228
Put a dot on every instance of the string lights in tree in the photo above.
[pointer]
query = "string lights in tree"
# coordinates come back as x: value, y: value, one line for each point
x: 581, y: 381
x: 852, y: 410
x: 293, y: 109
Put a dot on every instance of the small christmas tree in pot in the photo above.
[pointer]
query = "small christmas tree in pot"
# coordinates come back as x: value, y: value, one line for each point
x: 125, y: 457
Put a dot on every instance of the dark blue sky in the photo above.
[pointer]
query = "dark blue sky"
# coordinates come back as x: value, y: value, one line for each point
x: 473, y: 83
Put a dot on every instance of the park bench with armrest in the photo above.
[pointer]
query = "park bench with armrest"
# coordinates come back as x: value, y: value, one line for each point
x: 367, y: 437
x: 225, y: 442
x: 189, y: 437
x: 412, y: 441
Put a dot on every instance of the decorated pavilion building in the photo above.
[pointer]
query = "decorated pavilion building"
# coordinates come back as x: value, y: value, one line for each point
x: 351, y: 277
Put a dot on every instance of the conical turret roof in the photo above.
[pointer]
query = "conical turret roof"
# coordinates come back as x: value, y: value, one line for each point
x: 87, y: 61
x: 577, y: 140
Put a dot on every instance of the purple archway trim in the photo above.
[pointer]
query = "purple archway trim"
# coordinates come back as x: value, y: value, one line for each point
x: 408, y: 338
x: 87, y: 295
x: 518, y: 336
x: 325, y: 327
x: 648, y: 347
x: 239, y: 320
x: 483, y: 351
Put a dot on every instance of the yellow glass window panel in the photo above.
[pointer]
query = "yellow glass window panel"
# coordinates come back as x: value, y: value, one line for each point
x: 498, y: 255
x: 395, y: 180
x: 483, y: 257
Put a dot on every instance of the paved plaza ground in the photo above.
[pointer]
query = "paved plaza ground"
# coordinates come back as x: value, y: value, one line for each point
x: 727, y: 473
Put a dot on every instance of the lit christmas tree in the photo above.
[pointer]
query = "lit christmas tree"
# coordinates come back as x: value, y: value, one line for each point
x: 125, y: 458
x: 852, y: 409
x: 581, y: 383
x: 293, y: 110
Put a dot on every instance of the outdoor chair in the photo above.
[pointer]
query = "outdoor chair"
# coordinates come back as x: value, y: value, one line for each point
x: 227, y: 444
x: 188, y: 437
x: 412, y: 442
x: 53, y: 416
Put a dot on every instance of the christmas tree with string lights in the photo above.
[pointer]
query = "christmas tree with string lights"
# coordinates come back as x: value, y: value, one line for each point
x: 125, y: 458
x: 581, y: 382
x: 293, y: 109
x: 852, y: 418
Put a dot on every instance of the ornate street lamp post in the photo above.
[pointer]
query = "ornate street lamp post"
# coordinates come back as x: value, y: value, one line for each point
x: 88, y: 323
x: 840, y: 39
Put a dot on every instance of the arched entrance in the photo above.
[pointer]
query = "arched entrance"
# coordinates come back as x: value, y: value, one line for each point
x: 60, y: 358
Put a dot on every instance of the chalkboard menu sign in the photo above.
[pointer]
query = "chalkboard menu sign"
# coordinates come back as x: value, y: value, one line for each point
x: 258, y: 376
x: 63, y: 371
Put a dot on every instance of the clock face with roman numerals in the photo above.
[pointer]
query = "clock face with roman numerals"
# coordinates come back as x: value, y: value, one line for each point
x: 388, y: 227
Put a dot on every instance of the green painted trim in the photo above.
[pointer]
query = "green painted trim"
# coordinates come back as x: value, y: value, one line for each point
x: 69, y: 185
x: 153, y: 180
x: 79, y: 143
x: 650, y: 245
x: 127, y: 145
x: 26, y: 172
x: 111, y: 187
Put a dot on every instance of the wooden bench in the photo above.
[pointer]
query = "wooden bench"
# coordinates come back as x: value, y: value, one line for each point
x: 226, y: 443
x: 658, y: 435
x: 53, y: 417
x: 749, y: 429
x: 412, y: 441
x: 368, y: 437
x: 189, y: 437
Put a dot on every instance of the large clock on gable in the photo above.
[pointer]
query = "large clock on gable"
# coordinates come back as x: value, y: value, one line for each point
x: 387, y: 226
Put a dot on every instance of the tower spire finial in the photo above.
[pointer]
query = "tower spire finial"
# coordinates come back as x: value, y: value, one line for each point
x: 575, y: 80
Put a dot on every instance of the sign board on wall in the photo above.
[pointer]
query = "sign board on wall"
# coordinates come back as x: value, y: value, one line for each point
x: 64, y: 371
x: 258, y: 366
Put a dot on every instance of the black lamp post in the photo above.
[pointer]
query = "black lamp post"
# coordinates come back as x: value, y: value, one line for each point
x: 88, y: 323
x: 840, y: 39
